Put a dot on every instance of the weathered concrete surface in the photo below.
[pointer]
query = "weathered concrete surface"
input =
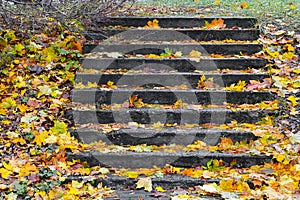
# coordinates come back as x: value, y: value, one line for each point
x: 177, y: 21
x: 178, y: 159
x: 160, y: 137
x: 179, y: 34
x: 167, y: 181
x: 225, y: 49
x: 169, y: 116
x: 179, y: 64
x: 167, y: 96
x: 167, y: 79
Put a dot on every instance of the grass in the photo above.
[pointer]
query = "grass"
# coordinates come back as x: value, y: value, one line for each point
x: 283, y: 13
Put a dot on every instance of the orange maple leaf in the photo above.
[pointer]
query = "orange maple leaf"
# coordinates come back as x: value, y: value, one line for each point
x: 215, y: 24
x: 152, y: 24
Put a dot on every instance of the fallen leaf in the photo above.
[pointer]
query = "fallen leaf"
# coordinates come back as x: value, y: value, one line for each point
x: 244, y: 5
x: 215, y: 24
x: 152, y: 24
x: 145, y: 183
x: 195, y: 54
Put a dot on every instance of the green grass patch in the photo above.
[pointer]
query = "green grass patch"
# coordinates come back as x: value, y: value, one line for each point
x: 281, y: 12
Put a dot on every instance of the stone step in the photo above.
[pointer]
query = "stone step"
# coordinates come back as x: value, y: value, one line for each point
x: 169, y: 96
x: 176, y: 21
x: 167, y: 79
x: 180, y: 64
x: 141, y: 194
x: 168, y: 182
x: 185, y: 48
x: 174, y: 34
x: 127, y: 136
x: 169, y: 116
x: 160, y: 159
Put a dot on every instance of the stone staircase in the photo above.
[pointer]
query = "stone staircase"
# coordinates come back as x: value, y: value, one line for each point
x: 158, y: 101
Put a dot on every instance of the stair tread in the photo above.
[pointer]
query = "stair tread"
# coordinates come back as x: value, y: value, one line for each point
x: 171, y: 110
x: 168, y: 79
x: 177, y: 34
x: 180, y: 64
x: 171, y: 90
x: 177, y: 59
x: 178, y: 74
x: 169, y: 116
x: 185, y: 48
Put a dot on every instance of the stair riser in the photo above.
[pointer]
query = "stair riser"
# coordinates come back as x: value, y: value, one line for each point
x: 151, y: 116
x: 167, y: 182
x: 154, y: 137
x: 148, y: 160
x: 171, y: 35
x: 94, y: 96
x: 205, y: 49
x: 182, y: 65
x: 191, y: 80
x: 171, y: 22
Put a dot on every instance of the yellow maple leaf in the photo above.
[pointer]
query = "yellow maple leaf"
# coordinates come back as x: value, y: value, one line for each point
x: 217, y: 2
x: 6, y: 122
x: 52, y: 139
x: 160, y: 189
x: 7, y: 166
x: 292, y: 6
x: 18, y: 140
x: 158, y: 126
x: 23, y: 108
x: 195, y: 54
x: 5, y: 173
x: 282, y: 158
x: 288, y: 47
x: 152, y: 56
x: 226, y: 185
x: 240, y: 86
x: 274, y: 54
x: 293, y: 99
x: 76, y: 184
x: 49, y: 54
x: 111, y: 84
x: 294, y: 112
x: 3, y: 42
x: 131, y: 174
x: 288, y: 55
x: 179, y: 104
x: 27, y: 169
x: 19, y: 49
x: 2, y: 111
x: 73, y: 191
x: 39, y: 139
x: 197, y: 173
x: 8, y: 103
x: 145, y: 183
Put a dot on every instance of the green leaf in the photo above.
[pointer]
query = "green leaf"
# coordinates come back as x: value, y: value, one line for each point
x: 59, y: 127
x: 19, y: 49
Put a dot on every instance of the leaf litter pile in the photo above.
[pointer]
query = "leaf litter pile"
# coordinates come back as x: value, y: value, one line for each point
x: 37, y: 75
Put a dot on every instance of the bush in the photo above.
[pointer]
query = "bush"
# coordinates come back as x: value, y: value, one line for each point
x: 36, y: 15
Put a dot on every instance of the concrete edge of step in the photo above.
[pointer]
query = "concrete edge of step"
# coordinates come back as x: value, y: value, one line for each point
x: 128, y: 159
x: 126, y: 136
